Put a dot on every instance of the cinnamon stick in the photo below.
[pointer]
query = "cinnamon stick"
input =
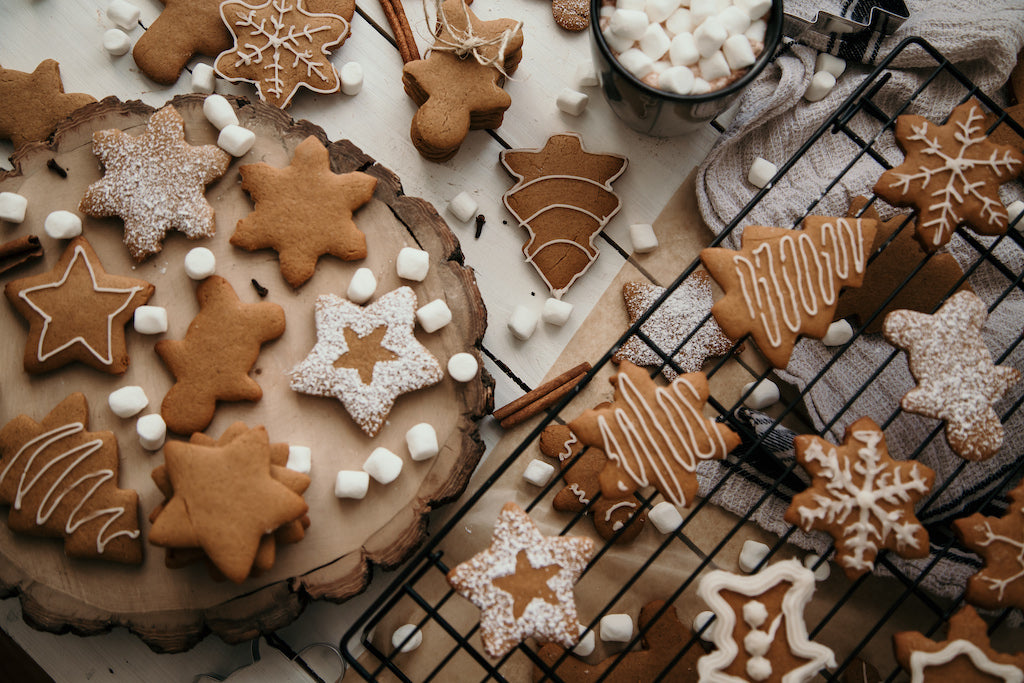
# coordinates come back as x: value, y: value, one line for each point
x: 403, y: 31
x: 19, y: 251
x: 541, y: 398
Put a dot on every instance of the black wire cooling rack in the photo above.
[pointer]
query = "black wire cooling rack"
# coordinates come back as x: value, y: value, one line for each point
x: 421, y: 595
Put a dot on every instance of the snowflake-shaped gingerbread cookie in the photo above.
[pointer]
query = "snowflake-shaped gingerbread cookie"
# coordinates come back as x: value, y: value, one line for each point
x: 1000, y: 540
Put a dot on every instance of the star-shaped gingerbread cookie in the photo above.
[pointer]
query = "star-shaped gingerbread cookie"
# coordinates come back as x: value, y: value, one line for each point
x: 957, y: 380
x: 366, y: 377
x: 32, y: 104
x: 1000, y: 540
x: 523, y: 583
x: 77, y: 312
x: 154, y: 182
x: 861, y: 496
x: 951, y: 174
x: 304, y: 210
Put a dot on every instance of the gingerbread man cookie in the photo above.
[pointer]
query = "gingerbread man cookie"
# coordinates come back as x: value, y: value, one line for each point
x: 31, y: 105
x: 1000, y: 540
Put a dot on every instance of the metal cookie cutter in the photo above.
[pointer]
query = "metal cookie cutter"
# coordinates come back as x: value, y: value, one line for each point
x: 867, y: 17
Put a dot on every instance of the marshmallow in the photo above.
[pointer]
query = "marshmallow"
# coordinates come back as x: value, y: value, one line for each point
x: 665, y: 517
x: 637, y: 5
x: 200, y: 263
x: 12, y: 207
x: 556, y: 311
x: 434, y: 316
x: 683, y: 50
x: 412, y: 264
x: 351, y: 484
x: 127, y: 401
x: 463, y: 367
x: 572, y: 102
x: 116, y: 42
x: 586, y: 75
x: 702, y: 9
x: 617, y: 628
x: 761, y: 172
x: 764, y: 394
x: 300, y: 459
x: 830, y: 63
x: 406, y: 638
x: 219, y: 112
x: 636, y: 62
x: 821, y: 85
x: 1013, y: 211
x: 236, y: 140
x: 735, y: 20
x: 586, y: 644
x: 655, y: 42
x: 642, y: 234
x: 751, y: 554
x: 124, y: 14
x: 715, y: 67
x: 738, y: 52
x: 523, y: 322
x: 462, y: 207
x: 538, y: 472
x: 616, y: 43
x: 679, y: 22
x: 700, y: 86
x: 755, y: 9
x: 822, y: 572
x: 628, y: 24
x: 709, y: 36
x: 608, y: 10
x: 152, y: 431
x: 362, y: 286
x: 383, y: 465
x: 757, y: 31
x: 700, y: 621
x: 62, y: 225
x: 680, y: 80
x: 422, y: 441
x: 150, y: 319
x: 660, y: 10
x: 661, y: 66
x: 203, y: 78
x: 351, y: 74
x: 838, y: 334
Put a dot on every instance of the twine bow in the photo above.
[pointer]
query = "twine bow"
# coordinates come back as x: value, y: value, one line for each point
x: 466, y: 42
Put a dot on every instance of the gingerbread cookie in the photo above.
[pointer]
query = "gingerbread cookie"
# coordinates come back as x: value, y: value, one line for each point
x: 951, y: 174
x: 31, y: 105
x: 957, y: 380
x: 1015, y: 110
x: 671, y: 323
x: 966, y: 655
x: 749, y: 611
x: 523, y: 583
x: 212, y: 362
x: 654, y: 435
x: 77, y: 312
x: 1000, y: 541
x: 890, y: 270
x: 583, y: 486
x: 572, y: 15
x: 563, y: 196
x: 784, y: 283
x: 60, y: 480
x: 154, y: 182
x: 366, y: 357
x: 657, y: 660
x: 861, y: 496
x: 303, y: 211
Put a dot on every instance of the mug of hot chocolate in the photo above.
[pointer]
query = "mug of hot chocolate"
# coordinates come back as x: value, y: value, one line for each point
x: 667, y: 67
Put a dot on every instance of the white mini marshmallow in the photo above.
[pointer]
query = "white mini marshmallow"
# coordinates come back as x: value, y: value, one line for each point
x: 755, y: 9
x: 383, y: 465
x: 116, y: 42
x: 761, y: 172
x: 200, y: 263
x: 700, y: 621
x: 462, y: 207
x: 616, y: 43
x: 830, y: 63
x: 538, y: 472
x: 642, y: 234
x: 434, y: 316
x: 412, y: 264
x: 661, y: 66
x: 660, y: 10
x: 124, y: 14
x: 679, y: 22
x: 665, y: 517
x: 714, y: 67
x: 150, y: 319
x: 300, y: 459
x: 655, y: 42
x: 608, y: 10
x: 572, y: 102
x: 204, y: 79
x: 62, y: 225
x: 12, y: 207
x: 764, y: 394
x: 677, y: 79
x: 351, y: 74
x: 637, y: 5
x: 628, y: 24
x: 406, y: 638
x: 616, y: 628
x: 757, y: 31
x: 586, y: 644
x: 821, y: 85
x: 702, y: 9
x: 738, y: 52
x: 523, y: 322
x: 127, y: 401
x: 586, y: 75
x: 735, y: 20
x: 236, y: 140
x: 1013, y: 211
x: 822, y: 572
x: 636, y: 62
x: 219, y: 112
x: 709, y: 37
x: 362, y: 286
x: 351, y: 484
x: 422, y: 441
x: 838, y: 334
x: 556, y: 311
x: 751, y: 554
x: 152, y: 431
x: 700, y: 86
x: 463, y: 367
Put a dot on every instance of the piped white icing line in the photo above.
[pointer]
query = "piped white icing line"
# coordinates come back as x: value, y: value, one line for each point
x: 567, y: 446
x: 624, y: 504
x: 990, y: 538
x: 580, y: 494
x: 919, y: 661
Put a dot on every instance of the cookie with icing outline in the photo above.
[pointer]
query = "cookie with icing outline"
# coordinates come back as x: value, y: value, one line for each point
x: 1000, y: 541
x: 32, y: 104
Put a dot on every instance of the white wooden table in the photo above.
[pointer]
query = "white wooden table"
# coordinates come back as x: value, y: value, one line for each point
x: 376, y: 120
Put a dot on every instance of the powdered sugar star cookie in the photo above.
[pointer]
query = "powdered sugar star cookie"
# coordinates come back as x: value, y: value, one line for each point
x: 1000, y: 540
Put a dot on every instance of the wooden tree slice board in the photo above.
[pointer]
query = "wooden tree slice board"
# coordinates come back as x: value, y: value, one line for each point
x: 171, y: 610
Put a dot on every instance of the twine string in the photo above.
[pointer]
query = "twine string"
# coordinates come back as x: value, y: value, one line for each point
x: 465, y: 42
